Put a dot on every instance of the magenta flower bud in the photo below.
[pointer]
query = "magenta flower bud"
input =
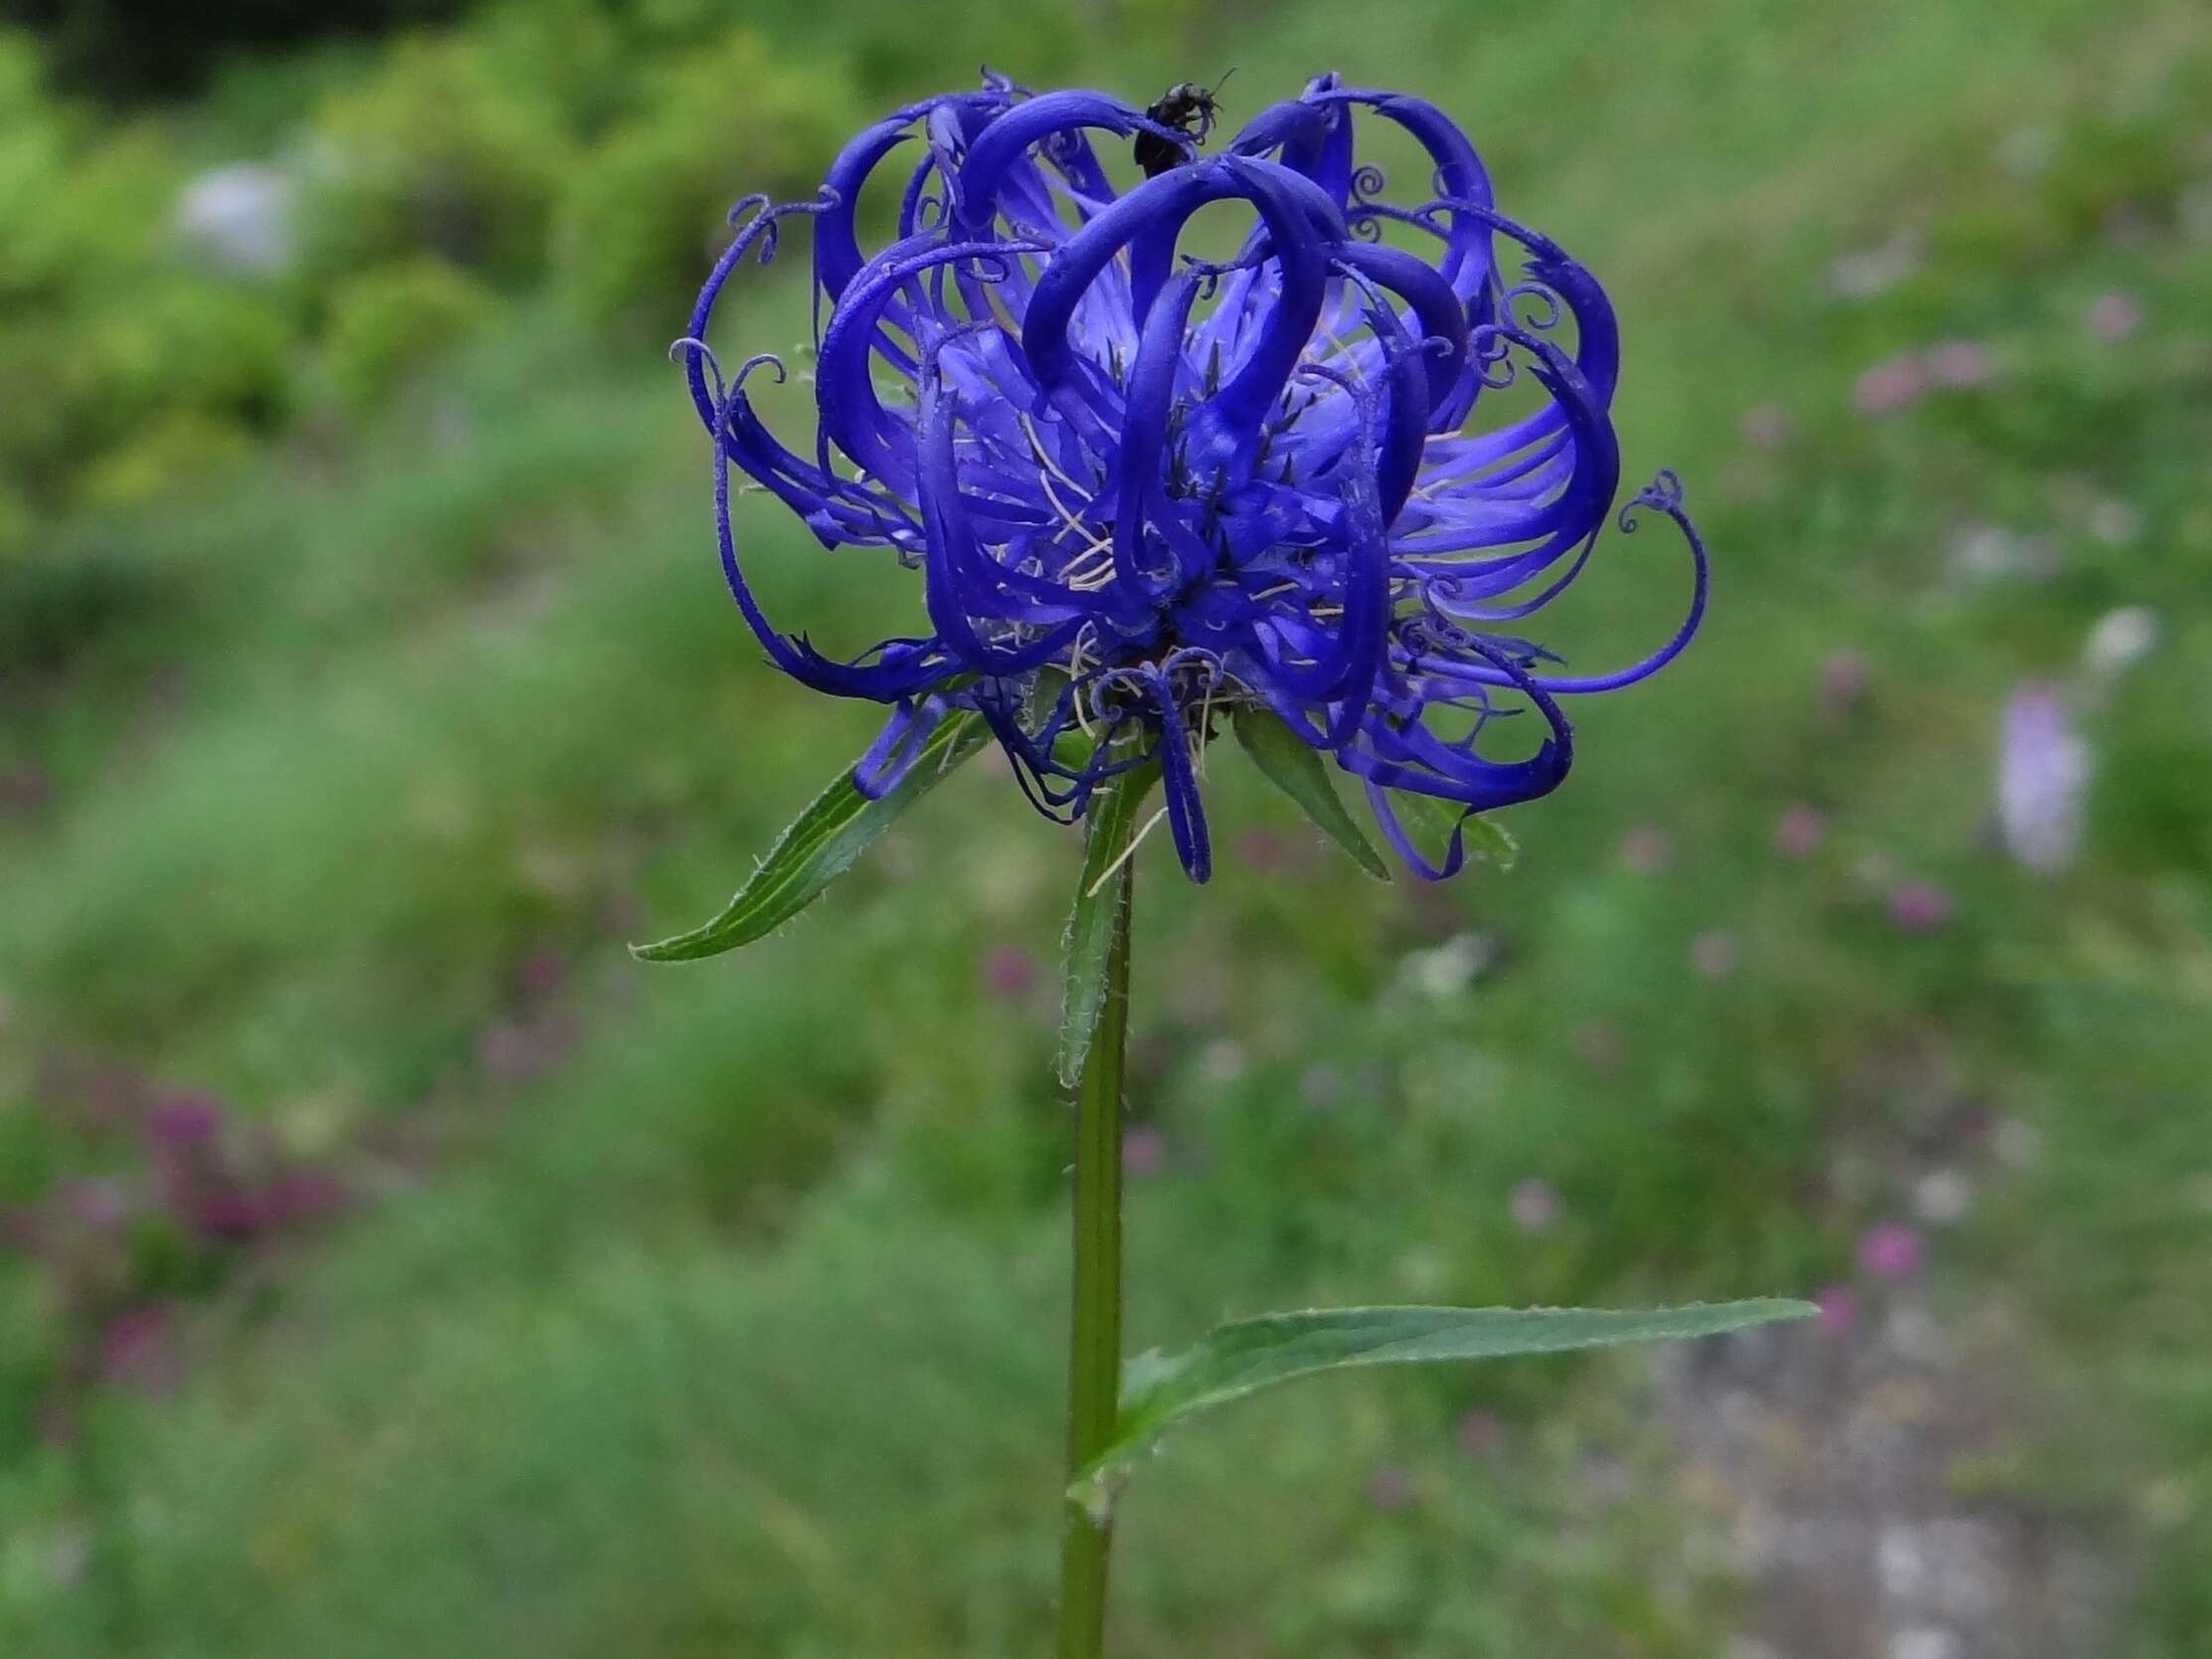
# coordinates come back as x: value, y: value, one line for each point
x: 1144, y: 1151
x: 2115, y: 315
x: 1839, y: 1310
x: 1535, y: 1205
x: 1958, y: 365
x: 1767, y: 427
x: 1010, y: 972
x: 97, y: 1203
x: 1891, y: 1251
x: 303, y: 1196
x: 1647, y: 849
x: 541, y: 974
x: 182, y: 1122
x: 1481, y: 1434
x: 1598, y: 1044
x: 1391, y: 1490
x: 1843, y: 682
x: 1713, y: 953
x: 1889, y: 387
x: 1919, y: 907
x: 137, y: 1350
x: 1800, y: 832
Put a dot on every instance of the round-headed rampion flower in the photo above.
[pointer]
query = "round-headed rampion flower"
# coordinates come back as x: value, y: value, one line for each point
x: 1324, y: 474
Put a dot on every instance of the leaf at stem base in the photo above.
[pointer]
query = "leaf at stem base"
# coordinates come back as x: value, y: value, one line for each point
x: 1241, y: 1358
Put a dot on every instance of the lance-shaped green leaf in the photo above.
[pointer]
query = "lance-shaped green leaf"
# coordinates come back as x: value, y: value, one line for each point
x: 1295, y: 767
x: 1239, y: 1359
x: 1108, y: 841
x: 820, y: 844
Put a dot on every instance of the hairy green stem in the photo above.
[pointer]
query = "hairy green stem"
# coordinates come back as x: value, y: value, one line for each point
x: 1094, y: 1347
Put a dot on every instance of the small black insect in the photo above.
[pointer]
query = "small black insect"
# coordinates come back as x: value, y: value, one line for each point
x: 1189, y: 109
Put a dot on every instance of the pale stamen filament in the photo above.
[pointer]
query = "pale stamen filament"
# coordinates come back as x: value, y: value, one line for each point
x: 1134, y: 842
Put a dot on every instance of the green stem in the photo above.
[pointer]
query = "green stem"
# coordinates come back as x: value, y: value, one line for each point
x: 1094, y: 1347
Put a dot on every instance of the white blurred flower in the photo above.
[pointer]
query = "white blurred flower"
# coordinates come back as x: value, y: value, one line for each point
x: 2028, y: 150
x: 2114, y: 523
x: 1713, y: 953
x: 1942, y: 1196
x: 2116, y: 314
x: 2120, y: 639
x: 1222, y: 1061
x: 1452, y: 966
x: 1872, y: 271
x: 1991, y: 552
x: 240, y: 216
x: 1923, y: 1641
x: 2043, y: 771
x: 2017, y: 1142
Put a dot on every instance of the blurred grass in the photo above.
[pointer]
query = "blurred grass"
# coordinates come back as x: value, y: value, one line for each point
x: 730, y: 1321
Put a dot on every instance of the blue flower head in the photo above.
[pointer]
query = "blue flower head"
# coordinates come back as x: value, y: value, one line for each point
x: 1140, y: 486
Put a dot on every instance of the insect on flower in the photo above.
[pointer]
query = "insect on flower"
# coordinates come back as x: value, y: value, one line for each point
x: 1189, y: 109
x: 1326, y: 478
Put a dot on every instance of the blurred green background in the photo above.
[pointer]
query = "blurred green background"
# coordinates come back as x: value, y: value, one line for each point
x: 391, y: 1266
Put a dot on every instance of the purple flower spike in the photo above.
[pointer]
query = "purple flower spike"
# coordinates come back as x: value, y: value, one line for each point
x: 1142, y: 487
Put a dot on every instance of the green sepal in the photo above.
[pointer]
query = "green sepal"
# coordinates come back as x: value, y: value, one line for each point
x: 820, y: 844
x: 1295, y: 767
x: 1108, y: 829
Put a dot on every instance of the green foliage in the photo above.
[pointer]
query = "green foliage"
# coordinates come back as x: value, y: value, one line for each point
x: 177, y: 452
x: 443, y: 149
x: 587, y: 58
x: 385, y: 323
x: 75, y: 198
x: 123, y: 403
x: 645, y: 211
x: 53, y: 608
x: 194, y: 344
x: 80, y: 305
